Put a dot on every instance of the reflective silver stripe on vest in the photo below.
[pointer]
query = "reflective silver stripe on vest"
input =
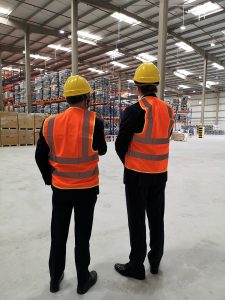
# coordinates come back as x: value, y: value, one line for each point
x: 147, y: 156
x: 50, y: 135
x: 85, y: 134
x: 77, y: 175
x: 147, y: 139
x: 171, y: 120
x: 68, y: 160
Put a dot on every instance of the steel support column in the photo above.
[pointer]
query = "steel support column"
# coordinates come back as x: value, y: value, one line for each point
x: 162, y: 40
x: 1, y: 94
x: 217, y: 108
x: 204, y: 91
x: 27, y: 70
x: 74, y: 28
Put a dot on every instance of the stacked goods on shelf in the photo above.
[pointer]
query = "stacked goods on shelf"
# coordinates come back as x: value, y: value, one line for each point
x: 38, y: 88
x: 22, y: 91
x: 33, y: 93
x: 47, y: 109
x: 99, y: 109
x: 190, y: 129
x: 92, y: 85
x: 9, y: 128
x: 63, y: 75
x: 114, y: 110
x: 101, y: 89
x: 184, y: 103
x: 9, y: 80
x: 213, y: 130
x: 63, y: 106
x: 54, y: 85
x: 175, y: 104
x: 17, y: 93
x: 46, y: 79
x: 182, y: 111
x: 54, y: 108
x: 40, y: 109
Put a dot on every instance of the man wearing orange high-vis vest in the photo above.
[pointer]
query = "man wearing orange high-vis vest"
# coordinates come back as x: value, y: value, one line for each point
x: 143, y: 147
x: 67, y: 155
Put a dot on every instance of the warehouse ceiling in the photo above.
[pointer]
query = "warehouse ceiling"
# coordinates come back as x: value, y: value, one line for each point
x: 50, y: 24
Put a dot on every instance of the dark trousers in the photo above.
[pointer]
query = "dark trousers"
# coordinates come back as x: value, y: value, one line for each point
x: 148, y: 199
x: 63, y: 202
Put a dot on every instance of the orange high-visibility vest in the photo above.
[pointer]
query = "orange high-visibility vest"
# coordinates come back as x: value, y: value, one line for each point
x: 148, y: 151
x: 69, y: 136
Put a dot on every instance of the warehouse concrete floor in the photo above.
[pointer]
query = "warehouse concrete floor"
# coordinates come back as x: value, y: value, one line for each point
x: 194, y: 261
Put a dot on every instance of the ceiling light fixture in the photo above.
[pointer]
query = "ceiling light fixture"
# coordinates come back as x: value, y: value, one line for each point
x: 96, y: 70
x: 183, y: 26
x: 130, y: 81
x: 179, y: 75
x: 124, y: 18
x: 184, y: 46
x: 10, y: 69
x: 212, y: 82
x: 5, y: 11
x: 37, y: 56
x: 114, y: 54
x: 86, y: 41
x: 189, y: 1
x: 145, y: 57
x: 39, y: 69
x: 205, y: 9
x: 218, y: 66
x: 89, y: 36
x: 117, y: 64
x: 61, y: 31
x: 59, y: 47
x: 223, y: 31
x: 184, y: 72
x: 212, y: 44
x: 183, y: 86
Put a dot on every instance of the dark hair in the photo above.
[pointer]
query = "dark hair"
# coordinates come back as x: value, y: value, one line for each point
x: 147, y: 89
x: 77, y: 99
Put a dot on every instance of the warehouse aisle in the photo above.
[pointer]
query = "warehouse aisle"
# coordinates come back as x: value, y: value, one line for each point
x: 194, y: 262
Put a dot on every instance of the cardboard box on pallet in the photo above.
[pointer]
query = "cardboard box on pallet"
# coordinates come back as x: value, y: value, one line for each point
x: 26, y: 137
x: 36, y: 136
x: 25, y: 121
x: 9, y: 137
x: 38, y: 120
x: 9, y: 120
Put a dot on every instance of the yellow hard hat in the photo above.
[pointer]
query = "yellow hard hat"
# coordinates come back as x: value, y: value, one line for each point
x: 147, y: 73
x: 75, y: 86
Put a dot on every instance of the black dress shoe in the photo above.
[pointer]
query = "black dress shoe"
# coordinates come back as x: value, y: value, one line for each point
x: 82, y: 289
x: 54, y: 286
x: 130, y: 271
x: 154, y: 268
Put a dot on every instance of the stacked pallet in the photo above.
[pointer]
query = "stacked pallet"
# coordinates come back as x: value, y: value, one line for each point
x: 9, y: 129
x: 38, y: 121
x: 25, y: 129
x: 20, y: 129
x: 179, y: 136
